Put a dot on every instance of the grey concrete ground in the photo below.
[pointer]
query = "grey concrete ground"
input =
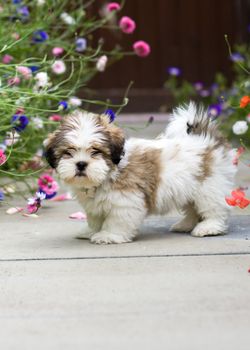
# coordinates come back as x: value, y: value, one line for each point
x: 163, y: 291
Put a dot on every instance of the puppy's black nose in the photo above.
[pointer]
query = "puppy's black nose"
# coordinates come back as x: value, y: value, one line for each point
x: 81, y: 165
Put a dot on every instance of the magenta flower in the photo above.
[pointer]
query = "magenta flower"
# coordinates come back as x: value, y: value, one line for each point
x: 127, y: 25
x: 141, y: 48
x: 55, y: 118
x: 14, y: 81
x: 57, y: 51
x: 113, y: 6
x: 34, y: 203
x: 25, y: 72
x: 47, y: 185
x: 7, y: 59
x: 2, y: 157
x: 32, y: 206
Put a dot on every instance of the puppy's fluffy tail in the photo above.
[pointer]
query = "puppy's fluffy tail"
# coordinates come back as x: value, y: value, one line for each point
x: 190, y: 119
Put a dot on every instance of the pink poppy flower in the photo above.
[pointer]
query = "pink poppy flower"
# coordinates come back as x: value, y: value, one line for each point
x: 58, y: 67
x: 34, y: 203
x: 55, y: 118
x: 2, y: 157
x: 127, y: 25
x: 14, y: 81
x: 47, y: 184
x: 57, y: 51
x: 25, y: 72
x: 7, y: 59
x: 113, y: 6
x: 141, y: 48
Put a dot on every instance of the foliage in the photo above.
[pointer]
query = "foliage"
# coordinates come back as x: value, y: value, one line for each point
x: 48, y: 51
x: 223, y: 97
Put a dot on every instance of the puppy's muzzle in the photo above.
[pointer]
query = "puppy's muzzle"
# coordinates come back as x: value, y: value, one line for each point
x: 81, y: 166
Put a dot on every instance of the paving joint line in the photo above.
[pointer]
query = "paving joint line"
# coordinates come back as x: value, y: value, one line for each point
x: 123, y: 257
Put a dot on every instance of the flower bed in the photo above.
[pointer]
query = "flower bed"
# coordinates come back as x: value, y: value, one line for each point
x: 47, y: 53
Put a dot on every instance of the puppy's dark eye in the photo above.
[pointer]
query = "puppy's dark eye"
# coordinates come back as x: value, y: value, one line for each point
x: 67, y: 154
x: 95, y: 152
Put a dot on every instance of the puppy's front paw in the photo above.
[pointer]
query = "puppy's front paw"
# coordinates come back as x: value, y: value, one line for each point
x: 104, y: 237
x: 85, y: 233
x: 209, y: 228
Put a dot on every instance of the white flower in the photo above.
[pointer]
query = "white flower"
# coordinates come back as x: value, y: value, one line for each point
x: 11, y: 138
x: 240, y: 127
x: 40, y: 195
x: 40, y: 2
x: 67, y: 19
x: 75, y: 101
x: 42, y: 79
x: 101, y: 63
x: 58, y: 67
x: 38, y: 122
x: 31, y: 201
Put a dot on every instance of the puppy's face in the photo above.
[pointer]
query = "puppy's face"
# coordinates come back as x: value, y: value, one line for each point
x: 84, y: 149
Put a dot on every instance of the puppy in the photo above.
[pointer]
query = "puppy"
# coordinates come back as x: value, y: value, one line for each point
x: 119, y: 182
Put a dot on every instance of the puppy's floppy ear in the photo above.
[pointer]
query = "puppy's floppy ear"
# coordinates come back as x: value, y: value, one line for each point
x: 115, y: 137
x: 117, y: 140
x: 49, y: 153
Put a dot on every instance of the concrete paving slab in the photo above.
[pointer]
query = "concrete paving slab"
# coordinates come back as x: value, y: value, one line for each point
x: 171, y: 303
x: 52, y: 235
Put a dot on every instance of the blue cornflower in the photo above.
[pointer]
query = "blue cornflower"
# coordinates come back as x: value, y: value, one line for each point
x: 34, y: 68
x: 214, y: 110
x: 19, y: 122
x: 46, y: 195
x: 109, y: 112
x: 1, y: 196
x: 81, y: 44
x: 236, y: 57
x: 16, y: 2
x: 39, y: 36
x: 63, y: 105
x: 174, y: 71
x: 23, y: 11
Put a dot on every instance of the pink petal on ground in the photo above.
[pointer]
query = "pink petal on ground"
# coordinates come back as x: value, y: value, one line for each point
x: 13, y: 210
x: 78, y: 216
x: 61, y: 197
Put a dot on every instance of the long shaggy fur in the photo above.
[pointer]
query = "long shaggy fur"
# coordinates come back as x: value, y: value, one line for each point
x: 188, y: 168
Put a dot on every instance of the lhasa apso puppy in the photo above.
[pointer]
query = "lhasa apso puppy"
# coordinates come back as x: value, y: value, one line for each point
x: 119, y: 182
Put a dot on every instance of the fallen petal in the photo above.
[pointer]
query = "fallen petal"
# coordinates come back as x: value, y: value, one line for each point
x: 13, y: 210
x: 78, y: 216
x: 61, y: 197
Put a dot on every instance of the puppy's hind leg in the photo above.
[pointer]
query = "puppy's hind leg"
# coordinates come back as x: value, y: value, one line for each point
x: 189, y: 221
x: 214, y: 213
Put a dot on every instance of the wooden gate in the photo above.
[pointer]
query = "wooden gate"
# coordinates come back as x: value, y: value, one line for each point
x: 184, y: 33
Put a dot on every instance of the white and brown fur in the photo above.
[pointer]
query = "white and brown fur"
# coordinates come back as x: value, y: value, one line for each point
x: 188, y: 168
